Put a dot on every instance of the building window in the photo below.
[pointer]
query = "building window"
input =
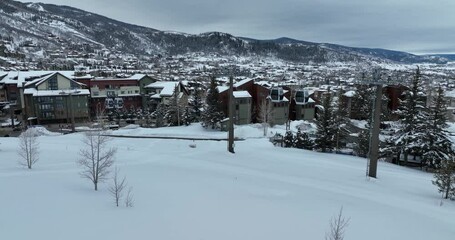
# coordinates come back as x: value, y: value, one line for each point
x: 52, y: 83
x: 46, y: 107
x: 44, y: 99
x: 47, y: 115
x: 59, y: 106
x: 110, y: 93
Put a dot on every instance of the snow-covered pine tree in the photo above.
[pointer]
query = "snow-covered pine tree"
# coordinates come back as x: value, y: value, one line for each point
x: 340, y: 120
x: 197, y: 105
x: 437, y: 145
x: 325, y: 134
x: 361, y: 107
x: 413, y: 121
x: 302, y: 141
x: 289, y: 139
x: 159, y: 114
x: 187, y: 117
x: 444, y: 178
x: 212, y: 114
x: 362, y: 145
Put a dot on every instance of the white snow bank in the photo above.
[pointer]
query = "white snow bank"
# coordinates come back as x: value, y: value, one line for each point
x: 260, y: 192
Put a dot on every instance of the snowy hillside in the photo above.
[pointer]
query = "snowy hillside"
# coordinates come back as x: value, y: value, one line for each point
x: 261, y: 192
x: 29, y: 29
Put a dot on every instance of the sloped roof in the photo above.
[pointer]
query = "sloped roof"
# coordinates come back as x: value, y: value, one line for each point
x: 240, y: 83
x: 37, y: 93
x: 349, y: 93
x: 222, y: 88
x: 167, y: 87
x: 241, y: 94
x: 137, y: 77
x: 19, y: 77
x: 39, y: 81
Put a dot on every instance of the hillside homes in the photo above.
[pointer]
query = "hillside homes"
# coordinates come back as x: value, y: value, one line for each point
x: 117, y: 93
x: 285, y: 104
x: 46, y: 96
x: 161, y: 92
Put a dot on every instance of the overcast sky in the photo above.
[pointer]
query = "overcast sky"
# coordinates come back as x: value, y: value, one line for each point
x: 417, y: 26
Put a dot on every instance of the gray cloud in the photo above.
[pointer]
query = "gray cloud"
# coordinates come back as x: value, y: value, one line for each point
x: 418, y: 26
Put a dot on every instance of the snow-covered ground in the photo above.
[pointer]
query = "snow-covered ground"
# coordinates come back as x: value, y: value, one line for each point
x: 260, y: 192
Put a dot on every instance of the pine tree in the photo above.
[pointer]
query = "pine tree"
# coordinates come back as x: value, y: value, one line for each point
x: 437, y: 145
x: 413, y: 116
x: 445, y: 178
x: 340, y: 120
x: 325, y: 134
x: 362, y: 145
x: 362, y: 102
x: 288, y: 139
x: 187, y: 117
x: 159, y: 114
x: 212, y: 115
x: 197, y: 105
x: 302, y: 141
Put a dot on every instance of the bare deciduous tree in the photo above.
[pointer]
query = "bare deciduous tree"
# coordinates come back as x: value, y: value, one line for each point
x: 117, y: 187
x: 28, y: 148
x: 129, y: 198
x: 96, y: 158
x: 265, y: 115
x: 338, y: 225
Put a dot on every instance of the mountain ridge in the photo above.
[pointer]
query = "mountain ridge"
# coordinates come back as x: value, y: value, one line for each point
x: 49, y: 27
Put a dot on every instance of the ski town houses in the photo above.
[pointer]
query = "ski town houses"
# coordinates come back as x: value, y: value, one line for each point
x: 57, y: 97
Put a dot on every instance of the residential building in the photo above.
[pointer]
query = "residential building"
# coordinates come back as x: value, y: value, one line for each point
x: 242, y: 103
x: 117, y: 93
x: 162, y: 92
x: 302, y: 106
x: 280, y: 105
x: 55, y: 98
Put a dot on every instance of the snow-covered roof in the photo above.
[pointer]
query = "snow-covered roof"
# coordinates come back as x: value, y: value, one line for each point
x: 136, y: 76
x: 18, y: 77
x: 349, y: 93
x: 39, y: 81
x: 241, y: 94
x: 167, y: 87
x: 450, y: 94
x: 37, y: 93
x: 240, y: 83
x: 222, y: 88
x: 309, y: 100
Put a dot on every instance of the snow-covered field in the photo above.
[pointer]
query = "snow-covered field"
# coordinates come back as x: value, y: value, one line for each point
x: 260, y: 192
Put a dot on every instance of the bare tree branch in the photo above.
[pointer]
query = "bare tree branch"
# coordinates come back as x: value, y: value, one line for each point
x: 28, y: 148
x: 265, y: 115
x: 117, y: 187
x: 96, y: 159
x: 338, y: 225
x: 129, y: 202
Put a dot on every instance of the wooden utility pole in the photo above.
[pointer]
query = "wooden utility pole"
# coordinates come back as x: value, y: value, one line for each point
x: 231, y: 116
